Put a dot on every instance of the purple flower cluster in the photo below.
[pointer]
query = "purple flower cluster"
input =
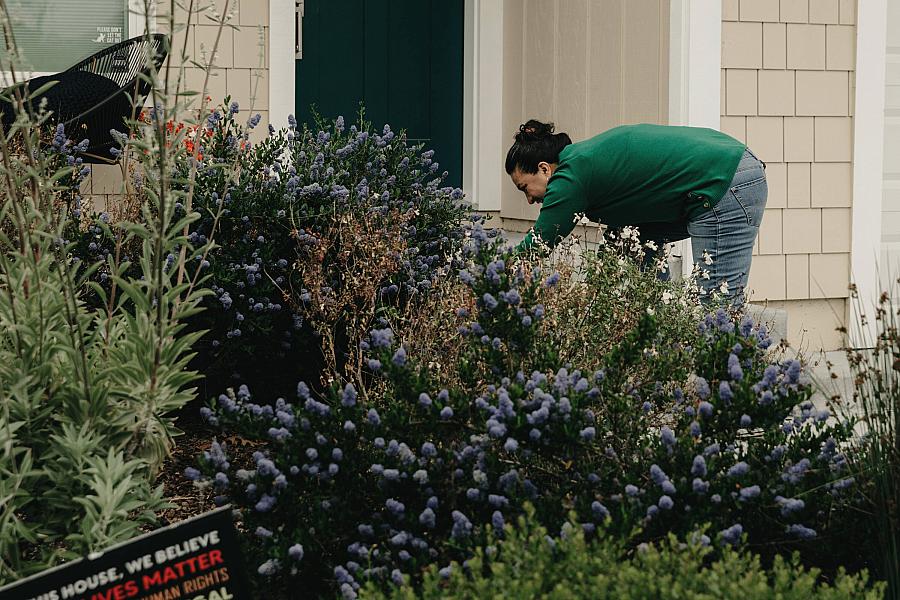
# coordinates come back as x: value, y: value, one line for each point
x: 438, y: 468
x: 732, y: 535
x: 291, y: 192
x: 506, y: 297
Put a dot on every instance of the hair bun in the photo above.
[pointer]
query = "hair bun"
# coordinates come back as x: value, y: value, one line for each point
x: 534, y: 130
x: 535, y: 143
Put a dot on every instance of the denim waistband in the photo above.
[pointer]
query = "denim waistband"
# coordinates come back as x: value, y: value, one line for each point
x: 749, y: 153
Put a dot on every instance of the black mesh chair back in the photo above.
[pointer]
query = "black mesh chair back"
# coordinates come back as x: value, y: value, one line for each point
x: 99, y: 93
x: 123, y: 64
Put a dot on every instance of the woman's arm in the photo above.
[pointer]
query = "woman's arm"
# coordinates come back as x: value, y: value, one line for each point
x: 563, y: 199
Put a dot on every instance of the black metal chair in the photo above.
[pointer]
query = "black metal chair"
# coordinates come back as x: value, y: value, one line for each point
x: 100, y: 92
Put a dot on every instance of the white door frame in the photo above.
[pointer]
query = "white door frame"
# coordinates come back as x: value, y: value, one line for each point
x: 284, y: 16
x: 483, y: 103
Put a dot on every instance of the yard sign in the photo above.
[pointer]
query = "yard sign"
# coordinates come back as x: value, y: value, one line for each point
x: 197, y: 559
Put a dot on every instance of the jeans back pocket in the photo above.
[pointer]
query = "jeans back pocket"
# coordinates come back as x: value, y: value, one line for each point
x: 752, y: 196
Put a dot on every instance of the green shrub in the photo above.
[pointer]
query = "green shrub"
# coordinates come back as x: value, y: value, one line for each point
x: 528, y: 563
x: 419, y: 464
x: 317, y: 232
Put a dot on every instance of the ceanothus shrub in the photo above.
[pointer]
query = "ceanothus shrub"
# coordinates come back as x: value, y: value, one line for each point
x: 368, y: 490
x: 352, y: 220
x: 746, y: 435
x: 376, y: 484
x: 742, y: 447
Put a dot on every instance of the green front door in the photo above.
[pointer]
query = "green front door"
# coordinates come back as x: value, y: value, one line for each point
x: 402, y: 58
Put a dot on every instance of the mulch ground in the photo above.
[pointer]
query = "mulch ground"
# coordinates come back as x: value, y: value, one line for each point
x: 187, y: 499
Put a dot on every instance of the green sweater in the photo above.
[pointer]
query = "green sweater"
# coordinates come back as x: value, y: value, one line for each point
x: 637, y: 174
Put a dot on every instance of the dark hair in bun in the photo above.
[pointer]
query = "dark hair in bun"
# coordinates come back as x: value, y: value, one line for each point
x: 535, y: 143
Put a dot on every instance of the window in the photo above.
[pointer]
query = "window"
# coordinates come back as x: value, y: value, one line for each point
x: 52, y: 35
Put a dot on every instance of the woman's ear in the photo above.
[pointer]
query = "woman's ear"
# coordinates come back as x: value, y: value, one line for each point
x: 546, y: 168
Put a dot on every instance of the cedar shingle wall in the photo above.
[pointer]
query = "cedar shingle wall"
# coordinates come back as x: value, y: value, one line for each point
x: 788, y: 85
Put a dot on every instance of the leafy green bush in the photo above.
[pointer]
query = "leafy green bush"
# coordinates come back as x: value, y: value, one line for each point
x: 528, y: 563
x: 317, y: 232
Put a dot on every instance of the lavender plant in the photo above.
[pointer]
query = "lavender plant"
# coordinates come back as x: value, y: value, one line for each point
x: 88, y: 388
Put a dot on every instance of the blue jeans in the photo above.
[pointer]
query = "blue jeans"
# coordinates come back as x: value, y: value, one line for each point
x: 725, y: 233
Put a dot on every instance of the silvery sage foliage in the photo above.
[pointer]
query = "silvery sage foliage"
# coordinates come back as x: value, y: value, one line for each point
x: 87, y: 389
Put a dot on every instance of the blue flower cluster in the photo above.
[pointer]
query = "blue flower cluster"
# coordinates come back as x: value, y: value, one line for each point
x: 292, y: 190
x: 753, y: 445
x: 413, y: 467
x: 507, y: 298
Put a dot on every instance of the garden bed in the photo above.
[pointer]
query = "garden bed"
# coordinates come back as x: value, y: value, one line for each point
x: 396, y: 402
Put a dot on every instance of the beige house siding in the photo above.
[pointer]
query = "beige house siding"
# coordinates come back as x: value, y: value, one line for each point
x: 241, y: 69
x: 787, y: 91
x: 586, y: 65
x: 242, y: 58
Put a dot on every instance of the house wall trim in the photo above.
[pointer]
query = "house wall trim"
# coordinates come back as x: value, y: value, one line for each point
x: 282, y: 61
x: 868, y: 165
x: 695, y: 71
x: 695, y: 62
x: 483, y: 103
